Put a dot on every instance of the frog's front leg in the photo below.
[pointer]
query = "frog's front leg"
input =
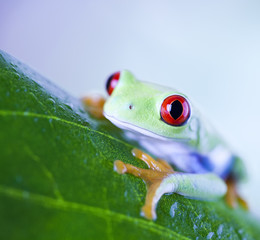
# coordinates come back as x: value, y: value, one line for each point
x: 94, y: 105
x: 153, y: 178
x: 160, y: 178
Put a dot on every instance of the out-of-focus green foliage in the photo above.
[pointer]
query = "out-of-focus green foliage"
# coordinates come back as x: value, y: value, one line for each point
x: 57, y: 179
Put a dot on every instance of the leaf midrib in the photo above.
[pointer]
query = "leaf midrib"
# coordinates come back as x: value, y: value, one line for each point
x: 32, y: 114
x: 83, y: 208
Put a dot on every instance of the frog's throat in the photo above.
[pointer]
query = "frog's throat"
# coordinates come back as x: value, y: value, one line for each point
x: 145, y: 132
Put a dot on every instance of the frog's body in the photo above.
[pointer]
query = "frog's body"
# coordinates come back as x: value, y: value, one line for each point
x: 194, y: 147
x: 181, y: 155
x: 167, y: 125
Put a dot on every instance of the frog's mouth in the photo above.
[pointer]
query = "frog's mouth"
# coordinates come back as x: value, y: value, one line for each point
x: 132, y: 128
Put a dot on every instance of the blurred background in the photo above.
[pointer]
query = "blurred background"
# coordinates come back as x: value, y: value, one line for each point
x: 210, y: 50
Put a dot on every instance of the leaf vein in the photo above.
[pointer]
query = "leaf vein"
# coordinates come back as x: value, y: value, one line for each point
x: 38, y: 115
x: 46, y: 171
x: 100, y: 212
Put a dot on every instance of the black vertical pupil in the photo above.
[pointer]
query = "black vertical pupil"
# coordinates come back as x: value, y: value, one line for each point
x: 109, y: 81
x: 176, y: 109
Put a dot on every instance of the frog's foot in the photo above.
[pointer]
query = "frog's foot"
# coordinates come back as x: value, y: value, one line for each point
x: 153, y: 177
x: 94, y: 105
x: 232, y: 197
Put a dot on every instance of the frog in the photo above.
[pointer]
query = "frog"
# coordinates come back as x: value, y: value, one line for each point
x: 183, y: 151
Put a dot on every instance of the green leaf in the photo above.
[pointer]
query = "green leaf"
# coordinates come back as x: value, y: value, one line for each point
x: 57, y: 179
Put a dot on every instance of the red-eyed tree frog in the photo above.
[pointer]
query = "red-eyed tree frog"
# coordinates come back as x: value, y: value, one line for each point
x: 167, y: 125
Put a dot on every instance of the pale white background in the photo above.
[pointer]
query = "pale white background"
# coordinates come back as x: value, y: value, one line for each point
x: 208, y: 49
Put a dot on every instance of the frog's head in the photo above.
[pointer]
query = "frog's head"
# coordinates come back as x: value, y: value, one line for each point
x: 149, y: 109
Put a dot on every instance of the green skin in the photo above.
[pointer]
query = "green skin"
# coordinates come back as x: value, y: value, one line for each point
x: 147, y: 99
x: 143, y: 117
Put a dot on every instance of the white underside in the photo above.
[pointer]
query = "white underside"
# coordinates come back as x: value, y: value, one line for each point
x: 174, y: 151
x: 133, y: 128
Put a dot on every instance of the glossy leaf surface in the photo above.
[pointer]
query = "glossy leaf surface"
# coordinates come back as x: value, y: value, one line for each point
x: 57, y: 179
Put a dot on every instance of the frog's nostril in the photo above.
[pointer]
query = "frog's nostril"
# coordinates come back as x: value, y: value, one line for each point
x: 131, y: 106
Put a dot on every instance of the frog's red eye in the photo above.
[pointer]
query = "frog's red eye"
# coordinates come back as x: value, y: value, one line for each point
x: 175, y: 110
x: 112, y: 82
